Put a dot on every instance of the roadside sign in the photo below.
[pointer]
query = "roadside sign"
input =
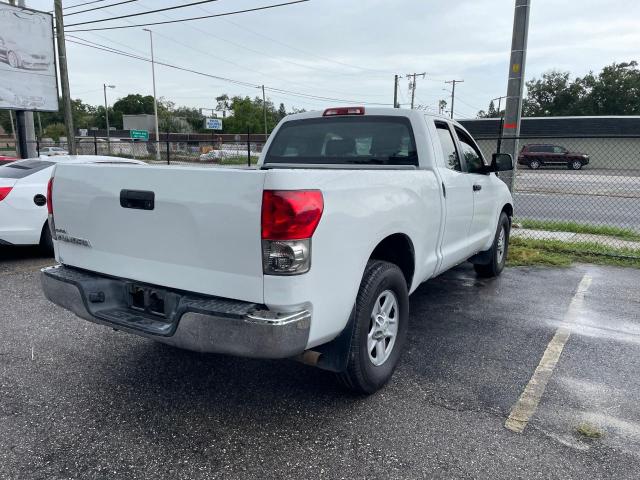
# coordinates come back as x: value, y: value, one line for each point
x: 139, y: 135
x: 213, y: 124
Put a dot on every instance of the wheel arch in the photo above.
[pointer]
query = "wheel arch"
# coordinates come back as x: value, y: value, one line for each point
x: 508, y: 209
x: 398, y: 249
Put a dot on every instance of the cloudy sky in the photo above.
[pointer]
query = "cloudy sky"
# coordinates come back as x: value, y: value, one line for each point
x: 343, y: 49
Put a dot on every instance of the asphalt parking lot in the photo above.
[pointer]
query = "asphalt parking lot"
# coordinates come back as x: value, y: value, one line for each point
x: 78, y: 400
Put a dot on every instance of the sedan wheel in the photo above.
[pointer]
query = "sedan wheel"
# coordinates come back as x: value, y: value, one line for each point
x: 534, y: 164
x: 576, y: 165
x: 14, y: 60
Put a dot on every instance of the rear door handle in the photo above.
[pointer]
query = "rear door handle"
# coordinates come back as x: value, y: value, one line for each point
x: 137, y: 199
x: 477, y: 188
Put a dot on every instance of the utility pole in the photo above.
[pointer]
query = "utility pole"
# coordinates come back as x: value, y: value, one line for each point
x: 24, y: 120
x: 106, y: 115
x: 412, y: 85
x: 395, y: 92
x: 453, y: 92
x: 64, y: 79
x: 155, y: 99
x: 264, y: 112
x: 515, y: 86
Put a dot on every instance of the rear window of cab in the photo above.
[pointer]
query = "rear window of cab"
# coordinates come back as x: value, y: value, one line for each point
x: 23, y: 168
x: 358, y: 140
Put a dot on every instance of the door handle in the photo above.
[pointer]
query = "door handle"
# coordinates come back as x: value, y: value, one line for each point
x: 137, y: 199
x: 477, y: 188
x: 444, y: 190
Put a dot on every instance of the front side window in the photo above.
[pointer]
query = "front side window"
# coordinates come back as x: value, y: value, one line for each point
x: 559, y: 149
x: 470, y: 153
x: 451, y: 158
x: 358, y: 140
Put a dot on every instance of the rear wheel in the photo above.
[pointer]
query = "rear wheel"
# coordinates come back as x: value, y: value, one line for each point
x: 381, y: 317
x: 46, y: 242
x: 498, y: 251
x: 534, y: 164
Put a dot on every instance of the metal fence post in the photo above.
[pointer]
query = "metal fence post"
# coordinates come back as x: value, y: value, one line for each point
x: 95, y: 143
x: 168, y: 150
x: 248, y: 146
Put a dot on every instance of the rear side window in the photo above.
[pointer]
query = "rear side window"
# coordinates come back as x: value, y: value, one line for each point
x: 361, y: 140
x: 23, y: 168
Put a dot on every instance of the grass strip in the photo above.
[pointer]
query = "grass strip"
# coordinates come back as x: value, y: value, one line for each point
x: 575, y: 227
x: 556, y: 253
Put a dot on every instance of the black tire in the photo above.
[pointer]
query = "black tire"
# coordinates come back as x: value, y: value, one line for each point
x: 14, y: 60
x: 534, y: 164
x: 46, y: 242
x: 497, y: 254
x: 575, y: 165
x: 362, y: 375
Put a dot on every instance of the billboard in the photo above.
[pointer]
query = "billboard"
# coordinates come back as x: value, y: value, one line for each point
x: 28, y: 79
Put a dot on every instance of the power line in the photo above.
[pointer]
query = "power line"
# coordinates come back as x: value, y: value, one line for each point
x: 84, y: 3
x: 266, y: 7
x: 175, y: 7
x: 235, y: 82
x: 306, y: 52
x: 265, y: 54
x: 99, y: 8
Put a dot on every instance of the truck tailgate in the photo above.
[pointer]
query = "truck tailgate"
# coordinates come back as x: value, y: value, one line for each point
x: 201, y: 233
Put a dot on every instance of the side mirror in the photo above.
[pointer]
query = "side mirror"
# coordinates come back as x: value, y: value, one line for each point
x: 501, y: 162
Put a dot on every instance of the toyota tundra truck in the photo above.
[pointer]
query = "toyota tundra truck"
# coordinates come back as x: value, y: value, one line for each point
x: 312, y: 255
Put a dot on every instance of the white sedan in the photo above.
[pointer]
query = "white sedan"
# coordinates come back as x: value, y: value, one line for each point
x: 53, y: 151
x: 23, y: 201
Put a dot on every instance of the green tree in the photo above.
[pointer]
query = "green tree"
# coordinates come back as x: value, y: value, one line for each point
x: 282, y: 111
x: 555, y: 94
x: 55, y: 131
x: 132, y: 104
x: 223, y: 104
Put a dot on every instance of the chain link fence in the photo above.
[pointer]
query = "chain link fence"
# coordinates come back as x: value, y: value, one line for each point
x: 577, y: 190
x: 572, y: 189
x: 206, y: 153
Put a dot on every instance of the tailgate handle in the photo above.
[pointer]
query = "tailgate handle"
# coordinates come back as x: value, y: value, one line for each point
x: 138, y: 199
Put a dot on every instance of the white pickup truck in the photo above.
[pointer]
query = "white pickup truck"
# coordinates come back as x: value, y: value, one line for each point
x: 312, y: 255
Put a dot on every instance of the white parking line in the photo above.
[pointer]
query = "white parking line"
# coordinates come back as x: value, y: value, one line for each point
x: 527, y: 404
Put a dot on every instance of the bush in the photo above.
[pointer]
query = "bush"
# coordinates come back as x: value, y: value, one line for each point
x: 55, y: 131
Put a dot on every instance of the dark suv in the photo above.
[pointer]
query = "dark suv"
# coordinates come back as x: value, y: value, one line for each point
x: 536, y: 156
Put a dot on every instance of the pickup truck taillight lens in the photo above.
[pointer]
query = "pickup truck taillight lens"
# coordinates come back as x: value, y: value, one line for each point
x: 52, y: 225
x: 50, y: 196
x: 4, y: 191
x: 289, y: 218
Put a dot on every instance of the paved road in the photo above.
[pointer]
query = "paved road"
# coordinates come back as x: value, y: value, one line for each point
x: 595, y: 210
x: 596, y: 197
x: 78, y: 400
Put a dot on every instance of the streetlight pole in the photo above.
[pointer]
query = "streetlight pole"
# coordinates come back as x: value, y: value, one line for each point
x: 106, y: 114
x: 155, y: 99
x: 264, y: 113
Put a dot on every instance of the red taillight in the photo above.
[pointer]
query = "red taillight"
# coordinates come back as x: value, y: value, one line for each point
x: 4, y: 191
x: 332, y: 112
x: 50, y: 196
x: 290, y: 214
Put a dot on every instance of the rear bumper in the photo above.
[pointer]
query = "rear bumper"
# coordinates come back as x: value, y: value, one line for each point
x: 192, y: 322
